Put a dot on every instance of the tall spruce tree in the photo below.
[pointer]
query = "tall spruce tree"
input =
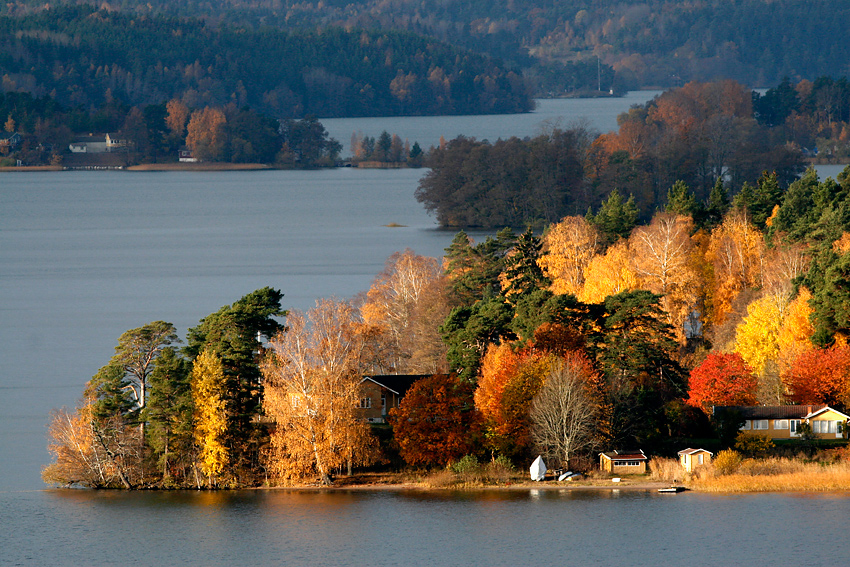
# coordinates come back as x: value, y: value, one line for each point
x: 234, y: 334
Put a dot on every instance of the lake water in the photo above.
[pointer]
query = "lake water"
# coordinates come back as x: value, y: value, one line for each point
x: 494, y: 529
x: 598, y: 113
x: 85, y: 256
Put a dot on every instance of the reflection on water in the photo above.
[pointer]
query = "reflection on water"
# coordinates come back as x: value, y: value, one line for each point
x: 503, y: 527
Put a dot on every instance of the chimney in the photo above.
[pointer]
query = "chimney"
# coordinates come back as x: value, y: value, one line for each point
x: 808, y: 410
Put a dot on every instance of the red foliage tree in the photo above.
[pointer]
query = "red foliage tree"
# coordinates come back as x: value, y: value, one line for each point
x: 722, y: 380
x: 821, y: 376
x: 436, y: 422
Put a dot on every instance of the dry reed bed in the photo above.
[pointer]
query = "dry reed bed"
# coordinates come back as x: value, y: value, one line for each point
x: 757, y: 475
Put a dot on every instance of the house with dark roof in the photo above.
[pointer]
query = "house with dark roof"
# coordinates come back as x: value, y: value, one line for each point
x: 380, y: 393
x: 9, y: 142
x: 783, y: 422
x: 623, y: 462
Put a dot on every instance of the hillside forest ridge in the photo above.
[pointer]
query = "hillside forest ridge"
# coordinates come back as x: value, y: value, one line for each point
x: 566, y: 47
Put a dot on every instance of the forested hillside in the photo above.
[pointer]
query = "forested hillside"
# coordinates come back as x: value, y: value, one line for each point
x: 87, y: 56
x: 637, y: 42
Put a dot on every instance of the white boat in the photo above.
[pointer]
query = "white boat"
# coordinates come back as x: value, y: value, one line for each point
x: 538, y: 469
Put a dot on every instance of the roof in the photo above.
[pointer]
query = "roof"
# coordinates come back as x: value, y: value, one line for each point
x: 825, y: 409
x: 398, y: 384
x: 90, y: 139
x: 625, y: 455
x: 693, y: 451
x: 770, y: 412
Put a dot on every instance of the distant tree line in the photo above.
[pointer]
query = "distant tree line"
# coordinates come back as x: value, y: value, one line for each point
x: 812, y: 115
x: 697, y: 134
x: 386, y: 149
x: 84, y: 56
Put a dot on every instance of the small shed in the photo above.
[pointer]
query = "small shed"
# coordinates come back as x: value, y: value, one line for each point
x: 623, y: 462
x: 692, y: 458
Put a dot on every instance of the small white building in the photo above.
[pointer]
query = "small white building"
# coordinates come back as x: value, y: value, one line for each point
x: 692, y: 458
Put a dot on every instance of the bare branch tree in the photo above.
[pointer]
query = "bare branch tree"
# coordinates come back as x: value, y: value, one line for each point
x: 564, y: 413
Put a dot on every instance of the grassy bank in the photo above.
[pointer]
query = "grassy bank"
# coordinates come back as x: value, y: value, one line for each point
x: 32, y: 168
x: 771, y: 474
x: 198, y: 167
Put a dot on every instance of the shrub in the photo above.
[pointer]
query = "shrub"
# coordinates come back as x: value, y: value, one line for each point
x: 727, y: 462
x: 466, y: 465
x: 753, y: 444
x: 500, y: 470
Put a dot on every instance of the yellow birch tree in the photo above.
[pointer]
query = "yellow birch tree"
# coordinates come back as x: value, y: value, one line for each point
x: 736, y: 252
x: 311, y: 394
x: 207, y: 382
x: 757, y: 341
x: 662, y: 261
x: 392, y: 301
x: 570, y: 245
x: 795, y: 334
x: 608, y: 274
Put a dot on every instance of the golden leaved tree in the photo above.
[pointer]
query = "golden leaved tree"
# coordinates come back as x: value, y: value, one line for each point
x: 206, y: 133
x: 570, y: 245
x: 736, y: 252
x: 393, y: 304
x: 312, y: 381
x: 757, y: 341
x: 662, y: 257
x: 609, y: 274
x: 207, y: 381
x: 796, y: 331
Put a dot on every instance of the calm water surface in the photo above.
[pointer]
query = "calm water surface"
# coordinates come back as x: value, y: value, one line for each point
x: 597, y: 113
x: 85, y: 256
x: 411, y: 529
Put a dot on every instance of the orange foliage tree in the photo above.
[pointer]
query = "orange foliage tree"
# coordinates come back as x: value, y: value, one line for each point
x: 206, y: 133
x: 510, y: 432
x: 722, y: 380
x: 821, y: 376
x: 736, y: 252
x: 436, y: 422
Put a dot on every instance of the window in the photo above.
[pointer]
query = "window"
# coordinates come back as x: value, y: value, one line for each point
x: 365, y: 403
x: 383, y: 400
x: 823, y: 426
x: 700, y: 458
x: 760, y: 424
x: 746, y: 425
x: 780, y: 424
x: 628, y: 463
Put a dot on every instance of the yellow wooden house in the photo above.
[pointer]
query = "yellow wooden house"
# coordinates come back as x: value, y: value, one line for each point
x: 623, y: 462
x: 783, y: 422
x: 693, y: 458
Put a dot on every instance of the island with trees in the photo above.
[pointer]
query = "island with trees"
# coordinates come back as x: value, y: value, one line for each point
x: 598, y: 332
